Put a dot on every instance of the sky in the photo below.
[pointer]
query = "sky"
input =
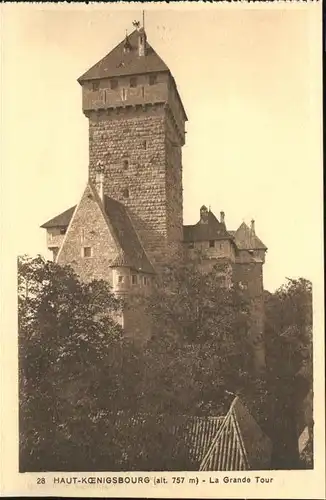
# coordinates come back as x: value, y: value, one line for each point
x: 250, y: 80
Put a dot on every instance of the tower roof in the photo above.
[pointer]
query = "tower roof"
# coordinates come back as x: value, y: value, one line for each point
x: 119, y: 62
x: 211, y: 229
x: 246, y: 239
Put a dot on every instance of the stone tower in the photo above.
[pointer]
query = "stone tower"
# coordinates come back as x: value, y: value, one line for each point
x: 136, y: 133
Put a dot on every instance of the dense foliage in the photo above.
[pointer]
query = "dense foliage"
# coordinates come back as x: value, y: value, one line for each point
x: 91, y: 398
x: 289, y: 359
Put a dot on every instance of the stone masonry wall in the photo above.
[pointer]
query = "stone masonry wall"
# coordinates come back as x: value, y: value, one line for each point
x: 130, y: 144
x: 141, y: 93
x: 88, y: 228
x: 250, y: 275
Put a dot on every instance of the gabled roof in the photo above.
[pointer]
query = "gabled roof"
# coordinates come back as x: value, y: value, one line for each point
x: 120, y: 63
x: 246, y: 238
x: 212, y: 229
x: 239, y: 444
x: 61, y: 220
x: 131, y: 253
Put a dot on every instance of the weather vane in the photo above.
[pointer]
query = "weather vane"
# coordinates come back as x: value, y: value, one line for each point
x: 136, y: 24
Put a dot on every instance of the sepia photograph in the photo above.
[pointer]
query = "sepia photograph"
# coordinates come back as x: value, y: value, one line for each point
x: 168, y: 168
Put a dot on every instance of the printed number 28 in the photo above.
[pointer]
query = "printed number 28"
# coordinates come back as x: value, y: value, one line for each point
x: 40, y: 480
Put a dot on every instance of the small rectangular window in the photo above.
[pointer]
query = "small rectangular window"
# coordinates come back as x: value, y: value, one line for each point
x: 125, y: 193
x: 63, y: 230
x: 133, y: 81
x: 152, y: 79
x: 146, y: 280
x: 113, y: 84
x: 120, y: 279
x: 144, y: 144
x: 143, y: 92
x: 95, y: 86
x: 123, y: 94
x: 191, y: 244
x: 211, y: 244
x: 125, y: 164
x: 134, y: 279
x: 87, y: 252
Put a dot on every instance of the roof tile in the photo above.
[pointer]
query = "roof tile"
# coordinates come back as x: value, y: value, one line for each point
x: 132, y: 253
x: 120, y: 63
x: 205, y: 231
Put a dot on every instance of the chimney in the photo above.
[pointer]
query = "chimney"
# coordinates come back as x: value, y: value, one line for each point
x: 204, y: 215
x: 252, y: 226
x: 141, y: 42
x: 222, y: 217
x: 99, y: 181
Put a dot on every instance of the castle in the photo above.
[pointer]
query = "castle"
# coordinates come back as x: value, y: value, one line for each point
x: 129, y: 220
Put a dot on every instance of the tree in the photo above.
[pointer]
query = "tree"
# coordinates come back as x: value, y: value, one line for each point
x: 92, y: 399
x: 200, y: 326
x: 66, y: 332
x: 289, y: 348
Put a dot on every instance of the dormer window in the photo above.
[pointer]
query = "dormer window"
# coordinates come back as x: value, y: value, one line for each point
x: 113, y: 83
x: 212, y: 244
x: 152, y: 79
x: 133, y: 81
x: 95, y: 86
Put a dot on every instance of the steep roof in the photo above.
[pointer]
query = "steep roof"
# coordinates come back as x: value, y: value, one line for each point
x: 132, y: 253
x: 120, y: 63
x: 246, y: 239
x: 61, y: 220
x: 211, y: 229
x: 239, y: 444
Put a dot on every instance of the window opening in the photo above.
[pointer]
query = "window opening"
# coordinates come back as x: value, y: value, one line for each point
x: 133, y: 81
x: 152, y: 79
x: 113, y: 84
x: 87, y: 251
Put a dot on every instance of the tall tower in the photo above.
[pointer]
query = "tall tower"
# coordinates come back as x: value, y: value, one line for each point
x: 136, y: 133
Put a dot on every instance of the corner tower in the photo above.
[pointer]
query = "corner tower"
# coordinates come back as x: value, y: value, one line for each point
x: 136, y: 133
